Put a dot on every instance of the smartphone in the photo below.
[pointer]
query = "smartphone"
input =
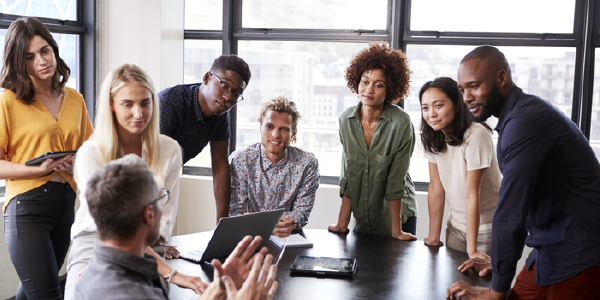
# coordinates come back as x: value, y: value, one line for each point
x: 40, y: 159
x: 324, y: 266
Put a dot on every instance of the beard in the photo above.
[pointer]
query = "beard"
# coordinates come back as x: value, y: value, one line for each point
x: 493, y: 105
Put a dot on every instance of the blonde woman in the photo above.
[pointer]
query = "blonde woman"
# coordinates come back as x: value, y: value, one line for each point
x: 126, y: 122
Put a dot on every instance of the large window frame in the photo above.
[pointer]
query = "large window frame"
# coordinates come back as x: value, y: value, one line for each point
x: 85, y: 27
x: 584, y: 38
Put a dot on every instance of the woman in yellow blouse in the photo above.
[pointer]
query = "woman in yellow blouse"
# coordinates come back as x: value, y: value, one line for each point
x: 38, y: 114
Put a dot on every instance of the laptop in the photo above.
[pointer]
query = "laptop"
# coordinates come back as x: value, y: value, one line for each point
x: 231, y: 230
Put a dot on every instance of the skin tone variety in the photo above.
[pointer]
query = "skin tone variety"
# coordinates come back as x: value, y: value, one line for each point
x: 214, y: 102
x: 476, y: 80
x: 275, y: 136
x: 41, y: 66
x: 371, y: 91
x: 439, y: 113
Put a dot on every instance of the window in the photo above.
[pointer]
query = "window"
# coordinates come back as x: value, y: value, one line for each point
x: 531, y: 16
x: 315, y: 14
x: 300, y: 49
x: 60, y: 9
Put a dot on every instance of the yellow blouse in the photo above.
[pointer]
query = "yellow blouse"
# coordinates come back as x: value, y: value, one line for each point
x: 27, y: 131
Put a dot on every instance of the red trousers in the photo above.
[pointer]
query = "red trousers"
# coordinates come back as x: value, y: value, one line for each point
x: 585, y: 285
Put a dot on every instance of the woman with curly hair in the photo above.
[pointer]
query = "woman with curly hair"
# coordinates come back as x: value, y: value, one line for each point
x: 378, y: 140
x: 463, y: 170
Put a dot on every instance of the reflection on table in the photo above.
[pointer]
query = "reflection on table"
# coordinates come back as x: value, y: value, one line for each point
x: 387, y: 268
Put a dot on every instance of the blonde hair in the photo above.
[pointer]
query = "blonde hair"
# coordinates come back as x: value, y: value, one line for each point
x: 105, y: 129
x: 281, y: 105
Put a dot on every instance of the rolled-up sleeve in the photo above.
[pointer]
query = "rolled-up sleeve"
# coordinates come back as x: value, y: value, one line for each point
x: 397, y: 170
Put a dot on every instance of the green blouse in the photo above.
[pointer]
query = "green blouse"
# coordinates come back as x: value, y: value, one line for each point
x: 372, y: 175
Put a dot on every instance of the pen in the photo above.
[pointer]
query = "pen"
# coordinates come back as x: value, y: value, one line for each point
x: 282, y: 250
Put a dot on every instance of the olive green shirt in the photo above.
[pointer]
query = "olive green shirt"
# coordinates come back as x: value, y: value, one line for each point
x: 372, y: 175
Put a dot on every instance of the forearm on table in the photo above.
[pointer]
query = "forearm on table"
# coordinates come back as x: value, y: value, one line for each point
x: 345, y: 212
x: 435, y: 203
x: 222, y: 191
x: 473, y: 216
x: 163, y: 268
x: 395, y: 213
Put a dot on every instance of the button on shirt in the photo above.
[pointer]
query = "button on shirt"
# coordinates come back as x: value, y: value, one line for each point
x: 372, y: 175
x: 181, y: 119
x: 116, y: 274
x: 549, y: 197
x: 257, y: 184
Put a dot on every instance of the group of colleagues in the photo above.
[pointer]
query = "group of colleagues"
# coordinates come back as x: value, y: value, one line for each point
x: 128, y: 164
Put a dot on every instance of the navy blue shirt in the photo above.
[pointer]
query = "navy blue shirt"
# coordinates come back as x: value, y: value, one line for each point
x: 181, y: 119
x: 550, y: 194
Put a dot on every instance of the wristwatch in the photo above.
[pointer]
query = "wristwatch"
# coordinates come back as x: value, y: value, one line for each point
x: 170, y: 276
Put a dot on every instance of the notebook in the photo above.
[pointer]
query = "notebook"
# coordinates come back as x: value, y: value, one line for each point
x: 231, y: 230
x: 295, y: 240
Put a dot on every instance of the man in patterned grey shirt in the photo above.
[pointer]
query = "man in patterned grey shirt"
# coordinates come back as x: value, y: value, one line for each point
x: 272, y: 174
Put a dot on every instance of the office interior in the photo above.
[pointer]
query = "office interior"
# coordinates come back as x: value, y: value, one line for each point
x: 300, y: 49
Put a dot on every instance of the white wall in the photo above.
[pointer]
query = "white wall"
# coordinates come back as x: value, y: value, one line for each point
x: 148, y: 33
x: 197, y: 210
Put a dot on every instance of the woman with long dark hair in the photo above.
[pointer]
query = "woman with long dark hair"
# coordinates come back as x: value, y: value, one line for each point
x: 463, y: 170
x: 38, y: 114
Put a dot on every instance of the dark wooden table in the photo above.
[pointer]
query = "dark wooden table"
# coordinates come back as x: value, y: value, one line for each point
x: 387, y: 268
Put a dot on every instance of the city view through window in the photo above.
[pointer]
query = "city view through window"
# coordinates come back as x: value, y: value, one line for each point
x: 311, y: 73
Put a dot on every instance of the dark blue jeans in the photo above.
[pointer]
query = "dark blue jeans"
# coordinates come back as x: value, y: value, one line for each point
x: 37, y: 229
x: 410, y: 225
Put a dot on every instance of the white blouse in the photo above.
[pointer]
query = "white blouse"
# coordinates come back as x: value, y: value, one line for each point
x: 88, y: 161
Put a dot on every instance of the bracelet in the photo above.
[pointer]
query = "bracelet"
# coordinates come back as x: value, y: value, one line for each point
x: 170, y: 276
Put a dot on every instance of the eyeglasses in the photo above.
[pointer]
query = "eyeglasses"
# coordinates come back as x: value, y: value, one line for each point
x: 226, y: 89
x: 163, y: 199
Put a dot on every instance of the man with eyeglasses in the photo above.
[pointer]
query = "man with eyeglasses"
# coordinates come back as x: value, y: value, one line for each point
x: 126, y: 203
x: 196, y: 114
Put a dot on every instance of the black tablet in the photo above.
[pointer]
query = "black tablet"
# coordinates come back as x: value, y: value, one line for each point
x: 324, y: 266
x: 40, y: 159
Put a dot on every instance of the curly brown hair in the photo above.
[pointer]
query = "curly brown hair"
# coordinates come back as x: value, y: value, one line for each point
x: 380, y: 56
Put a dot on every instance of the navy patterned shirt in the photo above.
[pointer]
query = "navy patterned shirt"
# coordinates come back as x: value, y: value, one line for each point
x: 181, y: 119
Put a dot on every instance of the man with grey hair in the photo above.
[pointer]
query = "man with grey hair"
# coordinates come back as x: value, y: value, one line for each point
x: 125, y: 201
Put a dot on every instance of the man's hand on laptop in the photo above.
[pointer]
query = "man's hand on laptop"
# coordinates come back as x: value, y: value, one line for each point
x: 237, y: 266
x: 284, y: 227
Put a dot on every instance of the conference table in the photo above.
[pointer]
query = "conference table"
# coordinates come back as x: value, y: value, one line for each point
x: 386, y: 268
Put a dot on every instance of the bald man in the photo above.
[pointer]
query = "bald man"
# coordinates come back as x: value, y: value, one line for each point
x: 550, y: 193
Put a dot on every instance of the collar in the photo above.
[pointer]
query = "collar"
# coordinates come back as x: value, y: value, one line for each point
x: 145, y: 265
x: 514, y: 94
x: 385, y: 115
x: 267, y: 163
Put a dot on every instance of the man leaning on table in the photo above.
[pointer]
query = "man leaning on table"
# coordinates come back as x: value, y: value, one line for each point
x: 272, y: 174
x: 549, y: 196
x: 198, y: 113
x: 125, y: 201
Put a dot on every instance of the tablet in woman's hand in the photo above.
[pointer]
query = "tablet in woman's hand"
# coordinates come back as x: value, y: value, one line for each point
x: 40, y: 159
